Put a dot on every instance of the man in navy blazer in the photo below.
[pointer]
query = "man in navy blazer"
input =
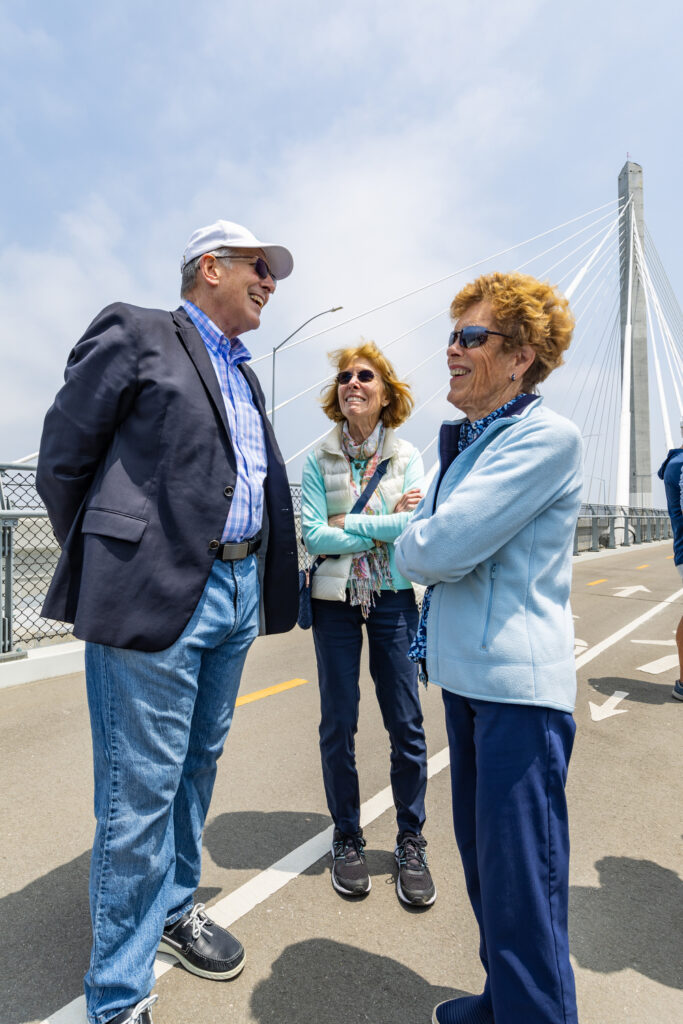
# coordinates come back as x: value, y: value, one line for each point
x: 169, y: 496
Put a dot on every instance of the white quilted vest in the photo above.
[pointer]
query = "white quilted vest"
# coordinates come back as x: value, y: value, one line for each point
x: 329, y: 580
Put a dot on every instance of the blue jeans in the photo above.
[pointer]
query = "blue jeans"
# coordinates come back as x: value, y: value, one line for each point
x: 338, y: 637
x: 508, y: 772
x: 159, y: 721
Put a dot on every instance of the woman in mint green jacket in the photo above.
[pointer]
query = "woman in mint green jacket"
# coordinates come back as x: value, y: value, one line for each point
x: 357, y: 587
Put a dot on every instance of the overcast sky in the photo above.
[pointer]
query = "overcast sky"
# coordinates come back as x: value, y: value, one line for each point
x: 385, y: 143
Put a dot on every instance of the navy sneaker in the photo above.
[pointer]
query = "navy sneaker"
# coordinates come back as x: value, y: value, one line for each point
x: 349, y: 870
x: 414, y: 884
x: 677, y: 691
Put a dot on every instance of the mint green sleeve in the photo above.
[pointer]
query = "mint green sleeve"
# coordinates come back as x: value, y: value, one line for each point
x: 319, y: 538
x: 389, y: 526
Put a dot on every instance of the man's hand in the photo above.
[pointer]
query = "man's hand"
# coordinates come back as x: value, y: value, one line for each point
x: 408, y: 501
x: 337, y: 521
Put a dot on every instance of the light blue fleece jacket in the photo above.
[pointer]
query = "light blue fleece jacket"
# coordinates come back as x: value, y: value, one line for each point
x: 494, y: 535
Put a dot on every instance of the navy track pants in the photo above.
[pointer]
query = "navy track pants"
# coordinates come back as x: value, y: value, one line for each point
x: 508, y: 771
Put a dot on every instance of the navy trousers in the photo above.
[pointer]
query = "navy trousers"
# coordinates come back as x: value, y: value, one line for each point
x: 508, y: 772
x: 338, y: 637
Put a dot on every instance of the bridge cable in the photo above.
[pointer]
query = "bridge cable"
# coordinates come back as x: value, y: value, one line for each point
x: 598, y: 403
x: 432, y: 284
x: 651, y: 300
x: 563, y: 241
x: 647, y: 280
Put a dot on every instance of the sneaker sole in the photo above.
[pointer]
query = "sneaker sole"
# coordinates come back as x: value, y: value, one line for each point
x: 419, y: 902
x: 676, y: 695
x: 340, y: 888
x: 435, y: 1019
x: 193, y: 969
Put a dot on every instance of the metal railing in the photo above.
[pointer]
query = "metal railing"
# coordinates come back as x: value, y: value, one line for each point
x: 29, y: 552
x: 612, y: 526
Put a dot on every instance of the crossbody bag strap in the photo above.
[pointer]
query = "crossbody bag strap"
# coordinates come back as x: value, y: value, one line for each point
x: 362, y: 501
x: 370, y: 488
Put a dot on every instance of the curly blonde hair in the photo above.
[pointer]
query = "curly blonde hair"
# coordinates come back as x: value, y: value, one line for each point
x: 401, y: 401
x: 533, y: 312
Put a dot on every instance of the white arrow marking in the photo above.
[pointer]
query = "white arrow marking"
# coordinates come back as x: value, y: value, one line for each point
x: 661, y: 665
x: 630, y: 591
x: 579, y: 646
x: 609, y: 708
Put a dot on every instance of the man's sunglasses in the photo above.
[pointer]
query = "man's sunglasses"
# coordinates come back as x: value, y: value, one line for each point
x: 259, y: 265
x: 346, y: 376
x: 472, y: 337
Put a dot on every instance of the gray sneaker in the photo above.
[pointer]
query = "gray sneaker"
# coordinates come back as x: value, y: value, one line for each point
x: 349, y: 871
x: 414, y: 884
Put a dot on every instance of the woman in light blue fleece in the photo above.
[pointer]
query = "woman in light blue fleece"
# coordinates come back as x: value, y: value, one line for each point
x: 359, y: 589
x: 492, y: 542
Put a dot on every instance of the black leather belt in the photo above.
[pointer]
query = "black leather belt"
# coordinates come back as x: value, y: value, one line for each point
x: 233, y: 552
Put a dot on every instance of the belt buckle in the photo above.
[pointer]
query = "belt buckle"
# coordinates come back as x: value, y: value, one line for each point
x: 236, y: 551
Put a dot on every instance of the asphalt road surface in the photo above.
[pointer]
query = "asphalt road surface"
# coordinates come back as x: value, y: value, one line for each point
x: 311, y: 954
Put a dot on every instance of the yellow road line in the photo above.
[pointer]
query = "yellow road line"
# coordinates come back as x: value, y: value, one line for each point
x: 594, y: 583
x: 269, y: 691
x: 669, y: 556
x: 646, y: 566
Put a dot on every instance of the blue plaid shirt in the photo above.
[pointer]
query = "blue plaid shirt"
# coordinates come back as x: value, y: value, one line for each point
x: 246, y: 429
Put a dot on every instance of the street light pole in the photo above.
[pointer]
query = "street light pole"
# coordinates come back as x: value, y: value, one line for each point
x: 289, y: 336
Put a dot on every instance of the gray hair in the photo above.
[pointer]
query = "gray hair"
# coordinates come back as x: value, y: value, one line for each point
x: 189, y: 271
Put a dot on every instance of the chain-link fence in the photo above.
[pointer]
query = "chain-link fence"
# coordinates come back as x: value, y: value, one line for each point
x: 29, y: 557
x: 29, y: 551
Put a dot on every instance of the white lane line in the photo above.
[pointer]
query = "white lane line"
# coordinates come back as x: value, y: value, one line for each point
x: 656, y: 643
x: 265, y: 884
x: 625, y: 630
x: 655, y: 668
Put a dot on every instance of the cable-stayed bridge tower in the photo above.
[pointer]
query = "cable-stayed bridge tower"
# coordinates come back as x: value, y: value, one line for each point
x: 634, y: 472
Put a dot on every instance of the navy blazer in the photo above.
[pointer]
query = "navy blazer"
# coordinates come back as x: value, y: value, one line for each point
x: 137, y: 471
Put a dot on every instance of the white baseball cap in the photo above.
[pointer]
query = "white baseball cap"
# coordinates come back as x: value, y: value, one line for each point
x: 226, y: 234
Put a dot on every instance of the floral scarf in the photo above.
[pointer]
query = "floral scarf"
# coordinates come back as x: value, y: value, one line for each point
x: 370, y: 570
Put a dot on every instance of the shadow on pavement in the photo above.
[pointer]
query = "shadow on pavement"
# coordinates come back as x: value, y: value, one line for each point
x: 256, y: 839
x: 327, y: 982
x: 48, y: 924
x: 633, y: 919
x: 639, y: 690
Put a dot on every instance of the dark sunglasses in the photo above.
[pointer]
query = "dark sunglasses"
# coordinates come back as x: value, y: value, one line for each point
x: 472, y: 337
x: 259, y: 265
x: 346, y: 376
